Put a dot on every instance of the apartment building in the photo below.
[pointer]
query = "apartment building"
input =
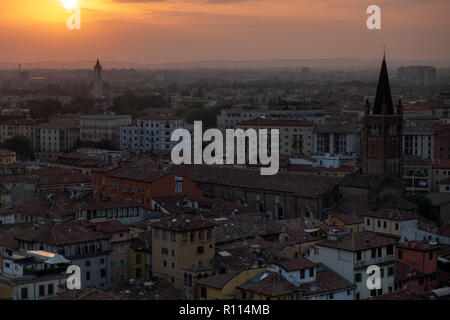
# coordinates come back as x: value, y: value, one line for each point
x: 417, y: 266
x: 105, y: 126
x: 441, y: 171
x: 7, y: 157
x: 120, y: 245
x: 418, y: 140
x: 229, y: 118
x: 19, y: 127
x: 418, y: 175
x: 339, y: 138
x: 34, y: 275
x: 296, y: 136
x: 78, y: 242
x: 350, y: 255
x: 150, y: 133
x: 391, y: 222
x: 182, y: 249
x: 140, y: 185
x: 54, y: 138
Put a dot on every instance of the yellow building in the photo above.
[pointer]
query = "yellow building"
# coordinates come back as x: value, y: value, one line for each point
x: 140, y: 257
x: 7, y: 156
x: 181, y: 244
x: 223, y: 286
x: 295, y: 243
x: 345, y: 222
x: 388, y: 221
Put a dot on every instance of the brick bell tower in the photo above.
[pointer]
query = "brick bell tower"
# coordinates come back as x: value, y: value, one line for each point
x: 382, y: 133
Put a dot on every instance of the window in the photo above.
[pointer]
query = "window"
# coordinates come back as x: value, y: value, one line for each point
x: 24, y: 293
x: 41, y: 290
x: 88, y: 263
x: 103, y: 273
x: 122, y: 278
x: 380, y: 252
x: 384, y: 224
x: 357, y: 296
x: 122, y: 248
x: 203, y: 292
x: 374, y: 253
x: 358, y: 256
x: 138, y: 259
x: 302, y: 274
x: 311, y: 272
x: 200, y: 250
x: 122, y: 263
x: 164, y: 235
x: 88, y: 276
x: 50, y: 289
x: 373, y: 292
x: 390, y: 250
x: 138, y: 273
x: 382, y: 272
x: 192, y: 236
x: 396, y: 226
x: 358, y: 277
x: 178, y: 184
x: 102, y: 261
x: 431, y: 255
x: 400, y: 254
x: 380, y: 292
x: 173, y: 236
x: 379, y: 224
x: 368, y: 222
x: 391, y: 271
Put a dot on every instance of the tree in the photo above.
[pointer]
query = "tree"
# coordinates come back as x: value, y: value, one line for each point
x: 21, y: 146
x: 424, y: 206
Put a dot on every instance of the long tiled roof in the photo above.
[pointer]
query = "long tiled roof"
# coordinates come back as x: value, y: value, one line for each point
x: 304, y: 185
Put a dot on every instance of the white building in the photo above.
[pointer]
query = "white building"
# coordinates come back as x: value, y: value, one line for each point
x: 151, y: 133
x: 53, y: 138
x: 105, y: 126
x: 351, y: 254
x: 228, y: 118
x: 34, y: 275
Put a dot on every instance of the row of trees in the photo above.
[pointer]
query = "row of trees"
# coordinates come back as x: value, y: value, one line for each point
x: 46, y: 107
x: 199, y: 112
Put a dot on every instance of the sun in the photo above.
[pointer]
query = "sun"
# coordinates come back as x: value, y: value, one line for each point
x: 69, y: 4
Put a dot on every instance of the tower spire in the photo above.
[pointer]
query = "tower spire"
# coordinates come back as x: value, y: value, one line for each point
x: 383, y: 95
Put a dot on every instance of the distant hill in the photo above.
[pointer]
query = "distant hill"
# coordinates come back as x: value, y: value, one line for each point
x: 328, y: 64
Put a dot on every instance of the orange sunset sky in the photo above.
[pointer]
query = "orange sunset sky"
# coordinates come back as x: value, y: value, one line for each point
x: 155, y: 31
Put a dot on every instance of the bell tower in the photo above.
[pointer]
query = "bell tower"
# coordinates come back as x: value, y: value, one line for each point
x: 382, y: 133
x: 98, y: 81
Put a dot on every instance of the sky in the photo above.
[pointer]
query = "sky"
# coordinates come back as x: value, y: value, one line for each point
x: 157, y: 31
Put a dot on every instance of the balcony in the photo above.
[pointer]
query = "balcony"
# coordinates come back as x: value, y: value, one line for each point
x: 378, y: 260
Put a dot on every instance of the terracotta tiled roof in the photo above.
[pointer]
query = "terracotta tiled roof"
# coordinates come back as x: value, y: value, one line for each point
x: 327, y: 282
x: 270, y: 284
x: 183, y: 222
x: 136, y: 174
x: 111, y: 226
x: 391, y: 214
x: 62, y: 234
x: 296, y: 264
x: 304, y: 185
x: 358, y: 241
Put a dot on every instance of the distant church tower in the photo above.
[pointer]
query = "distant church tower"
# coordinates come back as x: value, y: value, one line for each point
x: 98, y: 83
x: 382, y: 135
